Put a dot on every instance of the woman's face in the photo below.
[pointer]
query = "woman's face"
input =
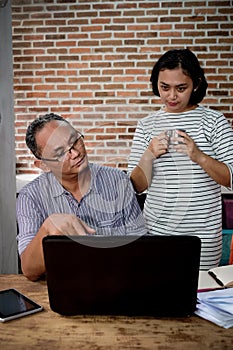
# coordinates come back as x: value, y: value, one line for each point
x: 175, y: 89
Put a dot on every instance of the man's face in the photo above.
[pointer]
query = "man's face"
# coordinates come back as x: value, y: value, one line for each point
x: 62, y: 148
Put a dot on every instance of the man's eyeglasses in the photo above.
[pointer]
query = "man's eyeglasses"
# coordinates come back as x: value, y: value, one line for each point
x: 61, y: 156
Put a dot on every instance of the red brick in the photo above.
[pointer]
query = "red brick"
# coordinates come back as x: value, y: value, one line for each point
x: 91, y: 62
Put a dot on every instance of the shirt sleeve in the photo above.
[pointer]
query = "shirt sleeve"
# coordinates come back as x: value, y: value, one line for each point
x: 29, y: 220
x: 140, y: 143
x: 222, y: 142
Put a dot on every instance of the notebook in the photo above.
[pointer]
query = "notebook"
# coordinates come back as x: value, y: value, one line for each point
x: 120, y: 275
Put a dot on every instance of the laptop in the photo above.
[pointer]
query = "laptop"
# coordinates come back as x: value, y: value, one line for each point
x: 122, y: 275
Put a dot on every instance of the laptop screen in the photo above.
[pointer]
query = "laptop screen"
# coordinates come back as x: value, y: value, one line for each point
x: 144, y: 276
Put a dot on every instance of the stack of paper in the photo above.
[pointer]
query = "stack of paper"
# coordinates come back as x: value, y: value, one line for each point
x: 216, y: 306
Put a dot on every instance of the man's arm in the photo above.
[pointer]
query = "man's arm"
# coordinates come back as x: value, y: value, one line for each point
x: 32, y: 258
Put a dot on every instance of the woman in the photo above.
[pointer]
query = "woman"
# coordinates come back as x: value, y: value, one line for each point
x: 183, y: 180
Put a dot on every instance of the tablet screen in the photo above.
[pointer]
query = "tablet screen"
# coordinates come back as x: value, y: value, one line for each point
x: 14, y: 304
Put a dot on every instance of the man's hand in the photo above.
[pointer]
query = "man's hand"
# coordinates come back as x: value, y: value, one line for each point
x: 66, y: 224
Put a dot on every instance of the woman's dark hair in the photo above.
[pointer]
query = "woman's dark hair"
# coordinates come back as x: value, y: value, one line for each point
x: 37, y: 125
x: 185, y: 59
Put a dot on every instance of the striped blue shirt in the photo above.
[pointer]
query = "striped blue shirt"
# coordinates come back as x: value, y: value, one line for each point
x: 182, y: 198
x: 110, y: 206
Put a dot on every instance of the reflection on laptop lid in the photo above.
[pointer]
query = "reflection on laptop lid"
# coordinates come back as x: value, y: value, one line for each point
x: 145, y: 276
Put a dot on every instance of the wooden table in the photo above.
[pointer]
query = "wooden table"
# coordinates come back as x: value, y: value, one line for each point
x: 48, y: 330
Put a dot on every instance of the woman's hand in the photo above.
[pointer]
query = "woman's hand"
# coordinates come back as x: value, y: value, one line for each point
x: 187, y: 146
x: 159, y: 145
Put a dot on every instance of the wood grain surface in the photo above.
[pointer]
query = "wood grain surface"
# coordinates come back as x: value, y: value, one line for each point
x: 48, y: 330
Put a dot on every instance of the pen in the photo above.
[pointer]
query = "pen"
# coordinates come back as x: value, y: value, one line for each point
x: 212, y: 274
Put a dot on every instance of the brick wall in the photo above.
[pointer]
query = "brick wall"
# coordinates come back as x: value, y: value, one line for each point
x: 90, y: 61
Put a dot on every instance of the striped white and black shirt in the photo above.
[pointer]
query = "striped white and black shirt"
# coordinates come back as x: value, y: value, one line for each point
x: 182, y: 198
x: 110, y: 206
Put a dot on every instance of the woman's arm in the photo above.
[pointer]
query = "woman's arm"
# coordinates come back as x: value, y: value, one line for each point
x: 217, y: 170
x: 142, y: 174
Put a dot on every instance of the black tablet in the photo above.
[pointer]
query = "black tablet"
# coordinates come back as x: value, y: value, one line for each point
x: 14, y: 304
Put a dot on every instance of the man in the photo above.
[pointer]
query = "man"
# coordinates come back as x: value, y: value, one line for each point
x: 71, y: 196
